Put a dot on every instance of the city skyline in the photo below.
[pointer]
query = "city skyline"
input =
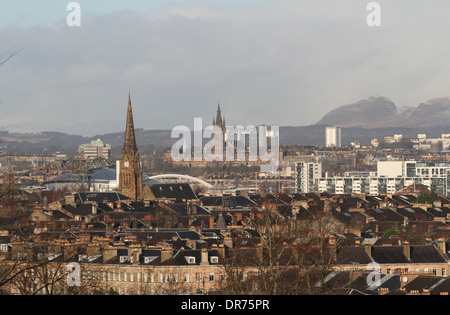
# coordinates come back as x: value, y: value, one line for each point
x: 281, y: 63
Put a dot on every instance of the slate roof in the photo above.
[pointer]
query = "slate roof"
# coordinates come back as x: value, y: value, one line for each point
x: 58, y: 215
x: 384, y: 215
x: 441, y: 212
x: 389, y: 255
x: 153, y: 255
x: 394, y: 254
x: 180, y: 258
x: 350, y: 219
x: 177, y: 191
x: 99, y: 197
x: 227, y: 201
x: 435, y: 285
x: 182, y: 209
x: 415, y: 214
x: 81, y: 210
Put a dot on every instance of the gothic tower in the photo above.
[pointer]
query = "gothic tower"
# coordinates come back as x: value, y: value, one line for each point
x: 219, y: 121
x: 130, y: 176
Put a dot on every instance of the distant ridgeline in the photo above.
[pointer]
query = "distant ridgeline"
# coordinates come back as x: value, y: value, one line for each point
x: 148, y: 140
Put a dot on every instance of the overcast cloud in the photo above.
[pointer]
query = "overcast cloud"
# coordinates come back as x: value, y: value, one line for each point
x: 274, y: 62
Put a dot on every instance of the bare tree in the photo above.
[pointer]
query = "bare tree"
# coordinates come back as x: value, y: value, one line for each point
x: 292, y: 257
x: 3, y: 60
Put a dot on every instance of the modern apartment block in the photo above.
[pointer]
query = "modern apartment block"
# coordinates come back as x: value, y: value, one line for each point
x: 390, y: 177
x: 306, y: 176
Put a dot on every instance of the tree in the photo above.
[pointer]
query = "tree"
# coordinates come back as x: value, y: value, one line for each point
x: 293, y: 256
x: 427, y: 197
x: 3, y: 60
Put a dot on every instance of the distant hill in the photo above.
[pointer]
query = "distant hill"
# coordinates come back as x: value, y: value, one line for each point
x: 379, y: 111
x: 375, y: 117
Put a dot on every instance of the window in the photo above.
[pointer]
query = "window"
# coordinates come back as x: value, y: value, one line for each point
x: 4, y: 247
x: 149, y: 259
x: 186, y: 277
x: 444, y: 272
x: 190, y: 260
x: 214, y: 259
x: 211, y: 276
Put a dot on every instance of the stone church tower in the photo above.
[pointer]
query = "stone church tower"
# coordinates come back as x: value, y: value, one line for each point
x: 219, y: 121
x: 130, y: 176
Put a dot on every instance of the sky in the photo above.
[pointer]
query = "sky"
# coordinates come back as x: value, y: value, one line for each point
x: 273, y: 62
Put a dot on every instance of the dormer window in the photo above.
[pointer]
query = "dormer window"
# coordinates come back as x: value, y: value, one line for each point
x: 214, y: 259
x: 123, y: 259
x: 3, y: 248
x: 149, y: 259
x: 190, y: 260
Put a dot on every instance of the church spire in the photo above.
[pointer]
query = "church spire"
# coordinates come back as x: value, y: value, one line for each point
x: 130, y: 173
x: 219, y: 116
x: 130, y: 137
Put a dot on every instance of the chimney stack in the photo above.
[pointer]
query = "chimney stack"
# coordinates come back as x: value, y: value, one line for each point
x: 332, y: 244
x: 94, y: 208
x: 136, y: 257
x: 407, y: 250
x: 166, y: 254
x: 368, y: 249
x: 109, y: 253
x: 442, y: 245
x: 204, y: 258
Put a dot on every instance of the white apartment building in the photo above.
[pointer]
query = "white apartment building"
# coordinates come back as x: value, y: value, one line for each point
x: 390, y: 177
x: 306, y: 176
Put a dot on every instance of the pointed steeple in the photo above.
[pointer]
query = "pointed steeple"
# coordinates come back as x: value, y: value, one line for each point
x: 130, y: 137
x: 130, y: 174
x: 219, y: 116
